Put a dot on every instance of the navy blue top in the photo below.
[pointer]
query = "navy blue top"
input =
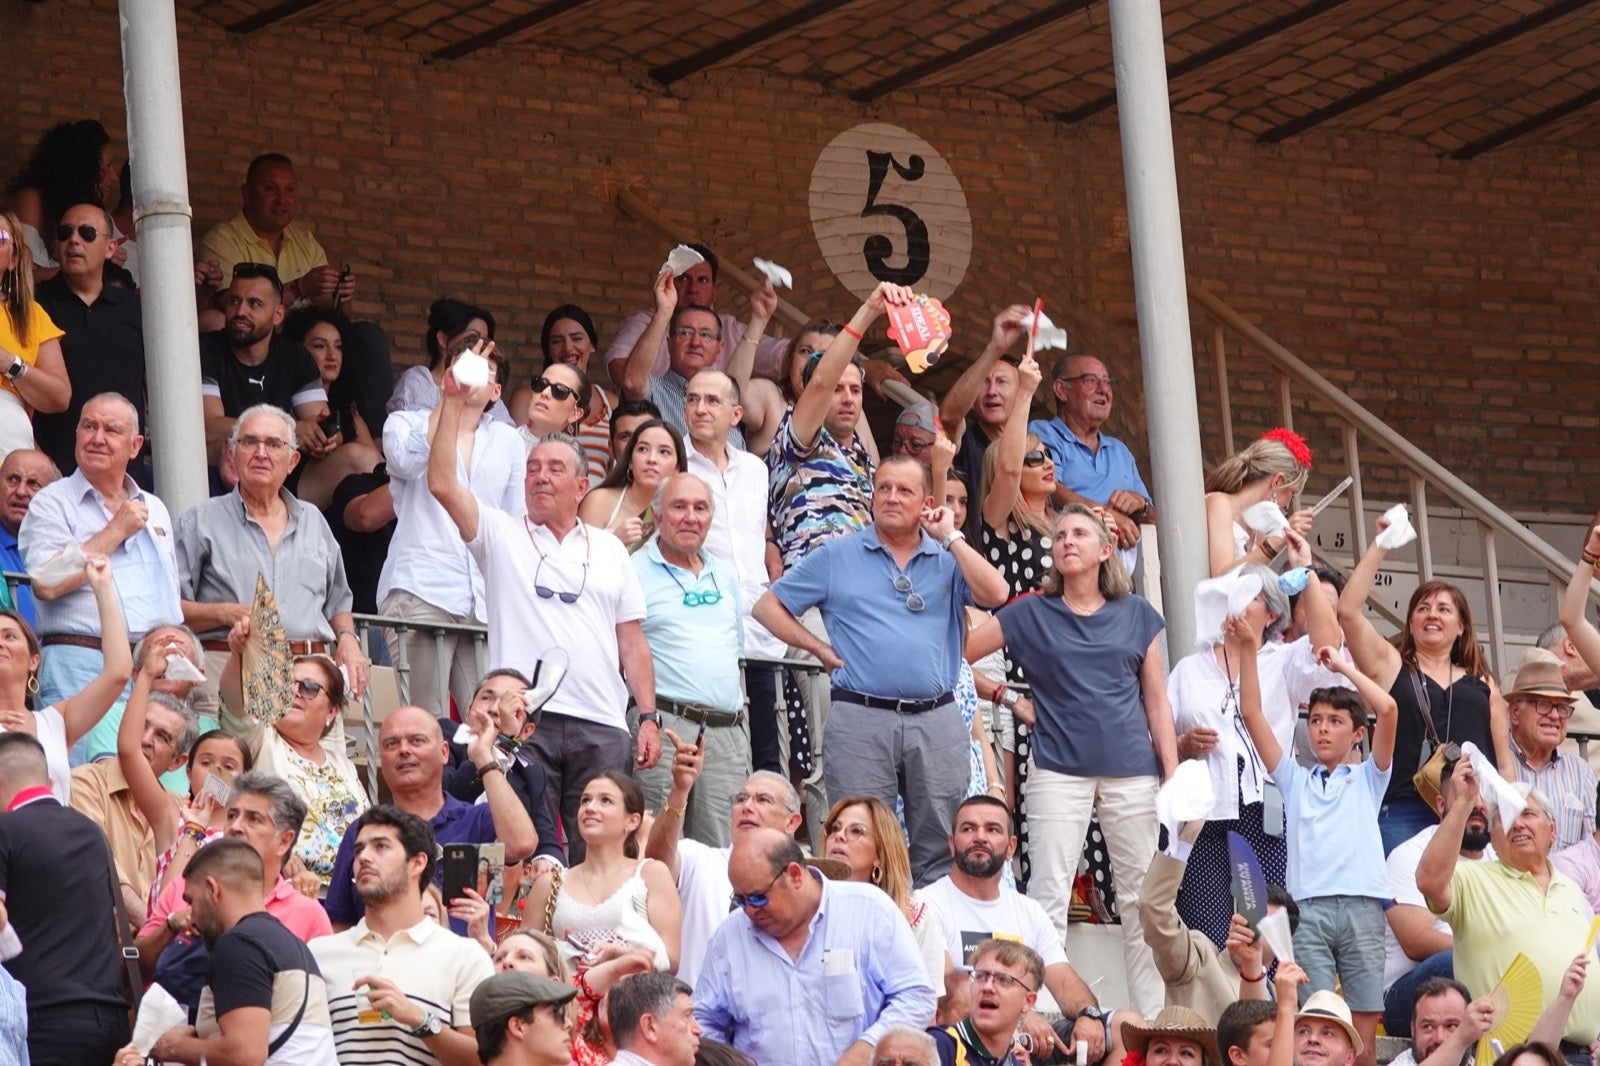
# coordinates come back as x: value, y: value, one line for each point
x: 456, y: 823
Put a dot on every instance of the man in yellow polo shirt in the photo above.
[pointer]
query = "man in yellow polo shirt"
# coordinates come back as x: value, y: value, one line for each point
x: 264, y: 232
x: 1517, y: 903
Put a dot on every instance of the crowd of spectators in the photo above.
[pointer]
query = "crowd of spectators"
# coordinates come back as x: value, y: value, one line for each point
x: 716, y: 615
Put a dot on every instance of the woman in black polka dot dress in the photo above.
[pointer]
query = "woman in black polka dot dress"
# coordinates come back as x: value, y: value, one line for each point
x: 1019, y: 479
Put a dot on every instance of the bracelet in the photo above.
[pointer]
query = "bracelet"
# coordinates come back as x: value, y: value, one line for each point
x: 345, y: 633
x: 1256, y: 980
x: 998, y: 699
x: 997, y: 788
x: 948, y: 544
x: 1590, y: 558
x: 491, y: 768
x: 583, y: 986
x: 667, y: 808
x: 857, y: 334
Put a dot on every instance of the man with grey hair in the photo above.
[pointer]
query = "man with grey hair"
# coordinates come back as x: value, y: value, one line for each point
x: 904, y: 1046
x: 692, y: 621
x: 765, y: 801
x: 1519, y: 902
x: 1540, y: 706
x: 260, y: 529
x: 652, y: 1021
x: 265, y: 811
x: 98, y: 510
x: 553, y: 583
x: 100, y: 790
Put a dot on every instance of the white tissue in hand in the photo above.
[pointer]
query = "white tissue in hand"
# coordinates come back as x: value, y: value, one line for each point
x: 1494, y: 788
x: 464, y: 735
x: 779, y: 276
x: 470, y: 370
x: 1186, y: 796
x: 1399, y: 533
x: 181, y: 669
x: 1219, y: 598
x: 69, y: 564
x: 158, y: 1012
x: 1266, y: 518
x: 1275, y: 929
x: 1049, y: 334
x: 681, y: 258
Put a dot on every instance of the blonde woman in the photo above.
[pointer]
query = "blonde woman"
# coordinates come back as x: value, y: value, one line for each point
x: 1274, y: 468
x: 1103, y: 737
x: 1019, y: 480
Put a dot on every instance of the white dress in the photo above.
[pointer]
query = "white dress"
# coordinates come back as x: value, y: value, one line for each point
x: 624, y: 915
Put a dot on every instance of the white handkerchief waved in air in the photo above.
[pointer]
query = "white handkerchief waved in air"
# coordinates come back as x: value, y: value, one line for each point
x: 1399, y: 533
x: 67, y: 565
x: 181, y: 669
x: 779, y: 276
x: 1049, y: 336
x: 470, y: 370
x: 681, y: 259
x: 158, y: 1012
x: 1275, y: 928
x: 1186, y: 796
x: 1494, y: 788
x: 1218, y: 599
x: 1266, y: 518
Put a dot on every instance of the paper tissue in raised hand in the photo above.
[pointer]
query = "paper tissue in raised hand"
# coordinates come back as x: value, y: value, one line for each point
x: 779, y: 276
x: 179, y: 668
x: 1508, y: 798
x: 1186, y: 797
x: 680, y: 259
x: 1217, y: 599
x: 1046, y: 334
x: 1266, y: 518
x: 470, y: 370
x: 1399, y: 533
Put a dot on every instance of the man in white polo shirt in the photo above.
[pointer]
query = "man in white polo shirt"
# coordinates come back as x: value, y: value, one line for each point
x: 557, y: 587
x: 739, y: 537
x: 399, y: 983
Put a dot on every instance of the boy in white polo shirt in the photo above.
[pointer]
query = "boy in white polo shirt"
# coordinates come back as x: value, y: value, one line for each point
x: 1336, y: 867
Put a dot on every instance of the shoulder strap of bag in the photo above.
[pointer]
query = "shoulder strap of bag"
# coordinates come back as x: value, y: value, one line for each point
x: 556, y: 874
x: 1424, y: 704
x: 125, y: 945
x: 294, y: 1023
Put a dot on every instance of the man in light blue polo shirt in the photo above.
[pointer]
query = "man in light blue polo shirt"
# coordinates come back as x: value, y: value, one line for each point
x: 892, y: 598
x: 696, y: 637
x: 1092, y: 468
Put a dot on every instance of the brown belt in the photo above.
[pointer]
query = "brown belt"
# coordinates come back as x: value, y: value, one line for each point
x: 296, y: 647
x: 71, y: 640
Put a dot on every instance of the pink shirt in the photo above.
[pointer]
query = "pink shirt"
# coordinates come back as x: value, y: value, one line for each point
x: 302, y: 916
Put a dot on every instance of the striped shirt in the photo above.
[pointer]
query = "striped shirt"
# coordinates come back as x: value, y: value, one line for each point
x: 817, y: 493
x: 431, y: 965
x: 1570, y: 784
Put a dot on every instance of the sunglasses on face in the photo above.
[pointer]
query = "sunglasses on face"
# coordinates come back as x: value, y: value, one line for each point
x: 560, y: 392
x: 87, y: 232
x: 757, y: 900
x: 308, y: 688
x: 1036, y: 458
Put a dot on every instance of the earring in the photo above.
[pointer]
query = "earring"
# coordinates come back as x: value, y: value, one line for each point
x: 877, y: 874
x: 33, y: 684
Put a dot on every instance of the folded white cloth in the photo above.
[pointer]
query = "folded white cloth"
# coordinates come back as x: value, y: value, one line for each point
x: 1507, y: 798
x: 470, y: 370
x: 1275, y: 927
x: 158, y: 1012
x: 779, y: 276
x: 1399, y: 533
x: 1217, y: 599
x: 1049, y: 335
x: 681, y: 258
x: 1266, y: 518
x: 181, y: 669
x: 1186, y: 796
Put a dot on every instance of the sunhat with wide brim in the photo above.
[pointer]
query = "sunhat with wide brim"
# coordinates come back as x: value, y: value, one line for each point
x: 1174, y: 1023
x: 1327, y: 1005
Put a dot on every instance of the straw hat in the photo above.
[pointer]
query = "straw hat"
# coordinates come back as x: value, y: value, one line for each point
x: 1329, y: 1006
x: 1177, y: 1023
x: 1539, y: 675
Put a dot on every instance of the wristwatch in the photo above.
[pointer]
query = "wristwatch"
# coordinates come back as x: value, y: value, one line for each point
x: 1092, y: 1011
x: 15, y: 371
x: 431, y: 1025
x: 653, y: 717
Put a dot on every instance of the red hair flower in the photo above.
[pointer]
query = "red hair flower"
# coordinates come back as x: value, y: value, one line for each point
x: 1133, y: 1058
x: 1294, y: 442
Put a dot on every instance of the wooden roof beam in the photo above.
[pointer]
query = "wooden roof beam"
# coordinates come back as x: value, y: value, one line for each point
x: 1473, y: 149
x: 679, y: 69
x: 266, y: 17
x: 525, y: 21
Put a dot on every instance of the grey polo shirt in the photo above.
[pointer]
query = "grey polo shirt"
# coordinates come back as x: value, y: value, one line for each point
x: 221, y: 550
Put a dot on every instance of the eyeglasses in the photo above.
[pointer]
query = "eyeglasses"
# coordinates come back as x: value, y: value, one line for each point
x: 760, y: 799
x: 308, y: 688
x: 760, y: 899
x: 914, y: 600
x: 555, y: 388
x: 544, y: 592
x: 853, y: 831
x: 1037, y: 458
x: 1094, y: 380
x: 271, y: 444
x: 1560, y: 708
x: 687, y: 332
x: 696, y: 597
x: 85, y: 231
x: 908, y: 443
x: 5, y: 238
x: 1000, y: 978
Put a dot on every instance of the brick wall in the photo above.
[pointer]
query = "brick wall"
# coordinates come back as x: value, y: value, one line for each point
x: 1454, y: 299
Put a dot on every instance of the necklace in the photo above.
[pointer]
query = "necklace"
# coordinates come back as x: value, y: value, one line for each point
x: 1081, y: 610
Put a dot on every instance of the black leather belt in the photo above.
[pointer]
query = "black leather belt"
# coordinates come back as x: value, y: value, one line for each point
x: 884, y: 703
x: 699, y: 713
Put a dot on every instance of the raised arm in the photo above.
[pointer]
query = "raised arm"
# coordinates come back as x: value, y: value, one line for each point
x: 988, y: 585
x: 1438, y: 862
x: 634, y: 379
x: 152, y: 799
x: 1575, y: 604
x: 512, y: 826
x: 1322, y: 619
x: 1376, y: 657
x: 1382, y: 704
x: 963, y: 393
x: 1242, y: 641
x: 456, y: 499
x: 1007, y: 482
x: 82, y: 711
x: 662, y: 846
x: 812, y: 407
x: 742, y: 363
